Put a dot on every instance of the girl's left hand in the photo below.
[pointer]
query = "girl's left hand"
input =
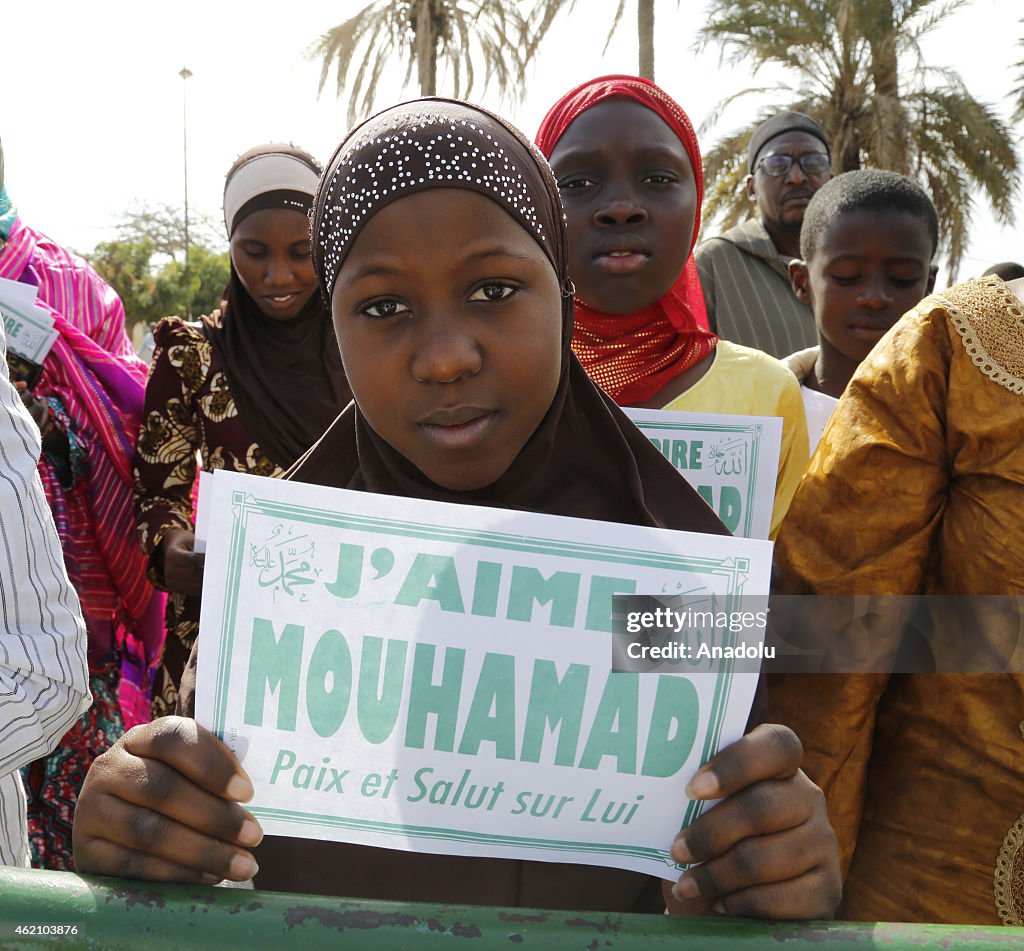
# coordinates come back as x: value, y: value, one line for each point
x: 767, y: 849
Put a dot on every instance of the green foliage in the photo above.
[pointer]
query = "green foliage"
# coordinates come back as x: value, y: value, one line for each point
x: 858, y: 70
x: 146, y: 266
x: 203, y: 283
x: 125, y: 266
x: 427, y: 34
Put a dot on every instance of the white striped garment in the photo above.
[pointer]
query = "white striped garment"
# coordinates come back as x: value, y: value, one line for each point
x: 748, y: 295
x: 44, y: 681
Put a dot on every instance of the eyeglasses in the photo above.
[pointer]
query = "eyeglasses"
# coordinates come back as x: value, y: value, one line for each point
x: 812, y: 163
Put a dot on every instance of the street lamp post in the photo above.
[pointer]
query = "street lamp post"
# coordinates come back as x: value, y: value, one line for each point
x: 185, y: 74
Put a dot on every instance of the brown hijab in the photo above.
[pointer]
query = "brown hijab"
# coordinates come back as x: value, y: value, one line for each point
x: 585, y: 459
x: 286, y: 377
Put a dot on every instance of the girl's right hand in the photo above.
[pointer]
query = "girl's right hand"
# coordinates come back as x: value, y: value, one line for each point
x: 183, y: 566
x: 162, y: 804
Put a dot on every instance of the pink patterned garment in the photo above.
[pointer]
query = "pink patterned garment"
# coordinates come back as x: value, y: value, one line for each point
x: 93, y: 370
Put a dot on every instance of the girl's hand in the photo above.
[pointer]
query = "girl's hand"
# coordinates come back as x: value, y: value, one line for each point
x: 767, y: 849
x: 36, y: 406
x: 183, y: 566
x: 162, y: 804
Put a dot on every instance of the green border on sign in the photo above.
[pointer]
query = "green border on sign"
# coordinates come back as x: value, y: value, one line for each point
x: 754, y: 430
x: 459, y: 835
x: 245, y: 504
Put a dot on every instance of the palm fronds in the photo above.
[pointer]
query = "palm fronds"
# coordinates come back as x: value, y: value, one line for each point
x: 858, y: 69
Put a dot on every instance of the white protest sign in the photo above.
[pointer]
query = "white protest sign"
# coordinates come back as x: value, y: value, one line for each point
x: 429, y: 677
x: 17, y: 294
x: 29, y: 329
x: 732, y: 461
x: 203, y: 511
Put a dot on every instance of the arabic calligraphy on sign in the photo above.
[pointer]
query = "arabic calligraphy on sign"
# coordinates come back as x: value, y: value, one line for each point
x: 729, y: 457
x: 285, y: 561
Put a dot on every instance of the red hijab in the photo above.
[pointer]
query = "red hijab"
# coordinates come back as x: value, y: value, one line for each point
x: 632, y: 356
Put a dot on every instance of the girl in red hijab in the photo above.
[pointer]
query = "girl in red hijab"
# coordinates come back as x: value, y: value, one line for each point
x: 628, y: 169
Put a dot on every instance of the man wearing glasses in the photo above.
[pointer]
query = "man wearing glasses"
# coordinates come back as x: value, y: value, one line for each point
x: 744, y: 271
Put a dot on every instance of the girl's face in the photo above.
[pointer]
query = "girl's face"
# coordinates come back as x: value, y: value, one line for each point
x: 271, y: 255
x: 630, y: 198
x: 448, y: 315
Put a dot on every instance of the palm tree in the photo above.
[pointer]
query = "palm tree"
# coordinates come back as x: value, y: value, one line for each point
x: 547, y: 10
x: 1018, y: 93
x: 860, y: 73
x: 644, y: 35
x: 427, y: 35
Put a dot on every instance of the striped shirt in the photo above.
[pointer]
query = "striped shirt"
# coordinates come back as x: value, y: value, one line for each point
x: 748, y: 294
x: 44, y: 684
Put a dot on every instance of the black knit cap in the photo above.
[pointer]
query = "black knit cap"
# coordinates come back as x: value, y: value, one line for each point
x: 779, y: 125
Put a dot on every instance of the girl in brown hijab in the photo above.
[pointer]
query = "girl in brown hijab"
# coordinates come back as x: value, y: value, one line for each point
x: 439, y: 242
x: 249, y: 390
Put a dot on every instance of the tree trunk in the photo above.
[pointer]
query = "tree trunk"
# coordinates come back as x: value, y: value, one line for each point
x: 844, y: 130
x: 426, y: 48
x: 845, y: 149
x: 891, y: 130
x: 645, y: 35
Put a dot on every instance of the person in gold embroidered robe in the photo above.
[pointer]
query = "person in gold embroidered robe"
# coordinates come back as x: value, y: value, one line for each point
x: 918, y: 488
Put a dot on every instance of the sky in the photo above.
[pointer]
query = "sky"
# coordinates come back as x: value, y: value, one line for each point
x: 92, y: 109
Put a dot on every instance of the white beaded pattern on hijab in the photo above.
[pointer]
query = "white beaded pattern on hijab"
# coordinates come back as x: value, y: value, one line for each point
x: 460, y: 151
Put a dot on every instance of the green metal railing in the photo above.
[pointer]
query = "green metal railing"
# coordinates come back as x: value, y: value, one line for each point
x: 119, y: 915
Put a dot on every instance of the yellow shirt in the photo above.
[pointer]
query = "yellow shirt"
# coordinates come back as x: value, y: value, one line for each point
x: 747, y: 382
